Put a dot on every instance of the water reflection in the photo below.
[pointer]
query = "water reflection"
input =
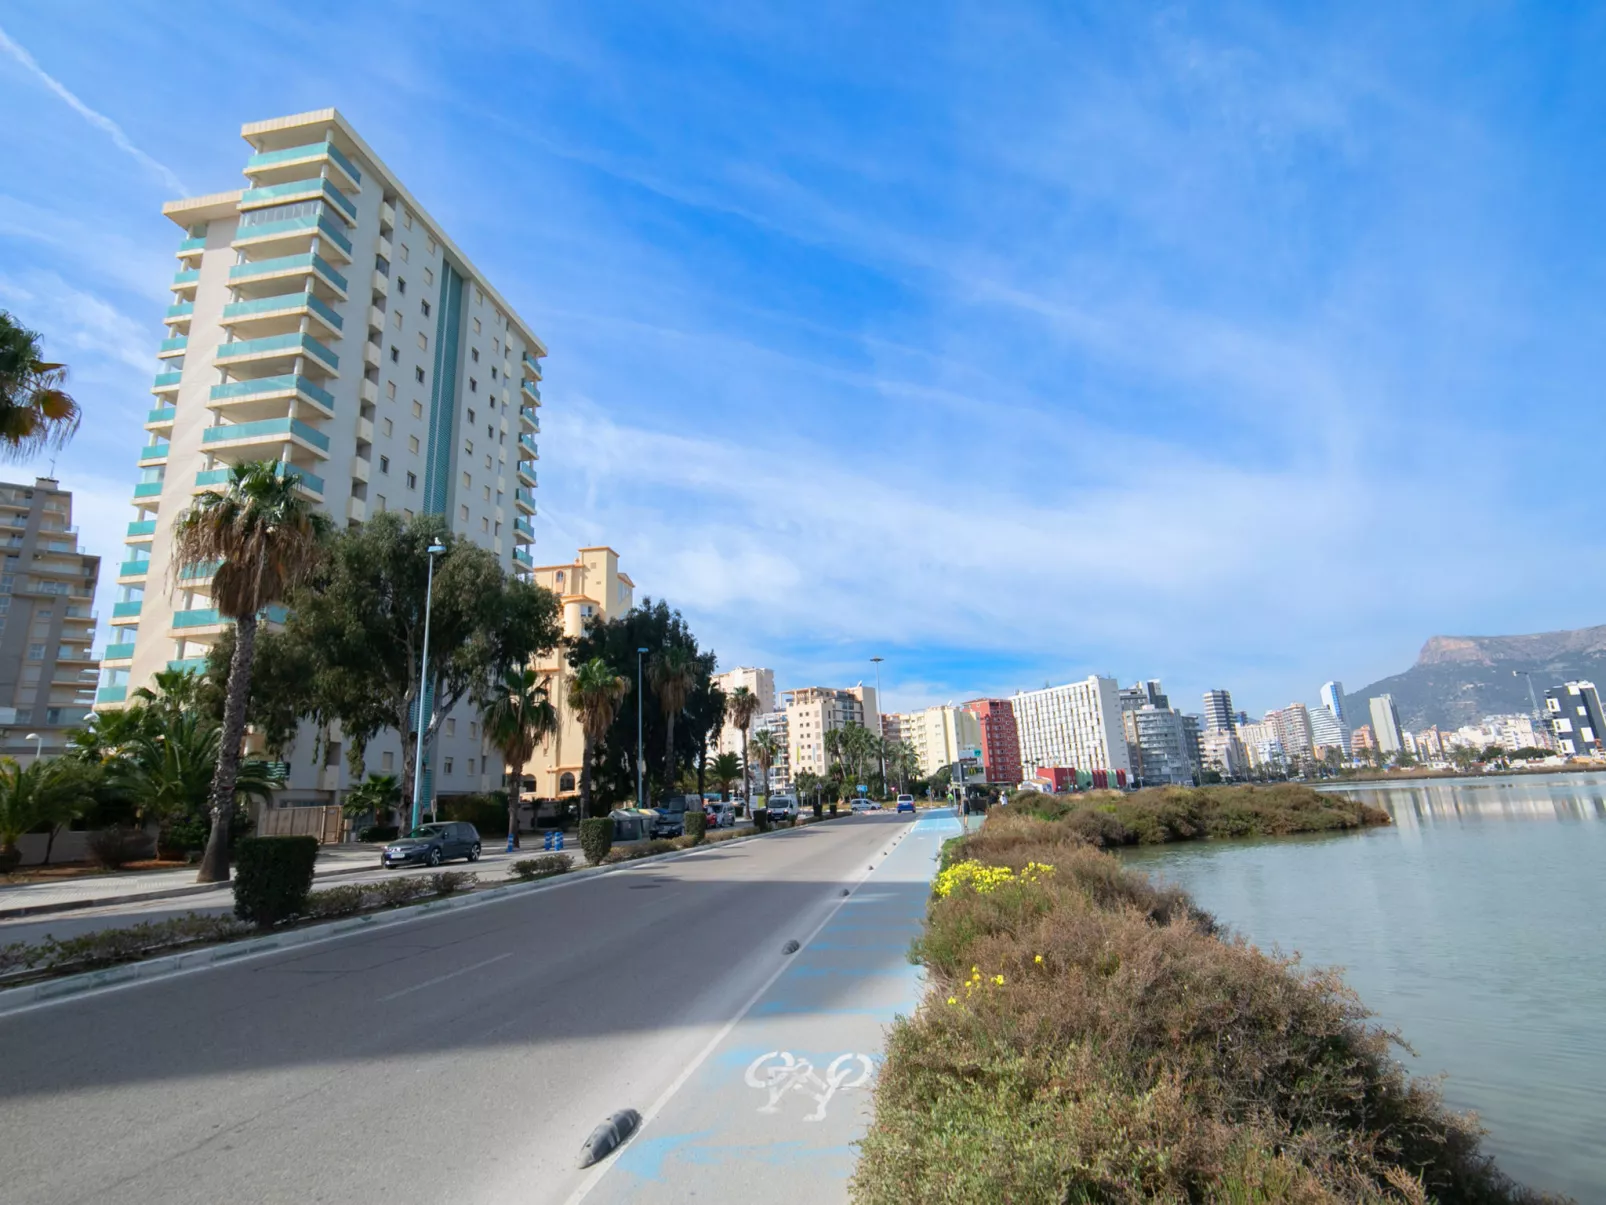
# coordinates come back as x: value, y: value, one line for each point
x: 1424, y: 801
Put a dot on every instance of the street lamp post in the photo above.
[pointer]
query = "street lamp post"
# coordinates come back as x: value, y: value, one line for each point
x: 880, y: 736
x: 434, y: 550
x: 641, y: 754
x: 38, y: 745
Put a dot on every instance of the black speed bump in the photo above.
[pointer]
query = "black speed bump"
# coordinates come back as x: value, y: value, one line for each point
x: 609, y: 1136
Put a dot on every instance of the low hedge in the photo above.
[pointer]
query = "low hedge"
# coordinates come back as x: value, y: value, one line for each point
x: 272, y: 878
x: 1092, y: 1038
x: 596, y: 838
x: 108, y: 947
x: 544, y: 867
x: 696, y: 826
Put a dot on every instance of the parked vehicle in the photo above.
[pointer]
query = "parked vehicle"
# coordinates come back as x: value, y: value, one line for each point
x: 863, y: 805
x: 669, y: 824
x: 721, y: 815
x: 783, y: 807
x: 432, y: 844
x: 906, y: 803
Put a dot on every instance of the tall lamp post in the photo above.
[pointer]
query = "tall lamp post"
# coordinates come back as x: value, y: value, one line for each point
x: 880, y: 743
x: 434, y: 550
x: 38, y: 744
x: 641, y: 754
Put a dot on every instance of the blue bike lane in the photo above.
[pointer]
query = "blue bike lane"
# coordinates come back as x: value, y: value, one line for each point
x: 777, y: 1103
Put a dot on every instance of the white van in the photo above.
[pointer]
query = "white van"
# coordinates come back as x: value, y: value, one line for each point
x: 782, y: 807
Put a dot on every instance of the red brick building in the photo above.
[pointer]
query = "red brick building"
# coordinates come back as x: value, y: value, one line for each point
x: 1000, y: 739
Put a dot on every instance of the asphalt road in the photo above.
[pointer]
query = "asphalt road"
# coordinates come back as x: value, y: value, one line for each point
x: 460, y: 1058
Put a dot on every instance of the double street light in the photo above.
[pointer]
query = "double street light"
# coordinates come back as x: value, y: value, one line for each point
x: 435, y: 550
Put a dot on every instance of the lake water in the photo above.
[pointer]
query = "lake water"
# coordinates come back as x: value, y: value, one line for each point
x: 1475, y: 925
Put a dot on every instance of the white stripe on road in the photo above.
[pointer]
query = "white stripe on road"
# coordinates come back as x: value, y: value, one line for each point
x: 418, y: 987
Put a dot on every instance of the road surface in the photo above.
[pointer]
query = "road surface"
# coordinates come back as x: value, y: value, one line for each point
x: 462, y: 1057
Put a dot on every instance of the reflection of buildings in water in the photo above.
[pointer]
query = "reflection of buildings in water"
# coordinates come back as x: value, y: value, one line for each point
x: 1427, y: 803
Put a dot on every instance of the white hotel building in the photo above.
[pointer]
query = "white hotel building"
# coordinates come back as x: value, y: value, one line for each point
x: 322, y: 319
x: 1077, y: 725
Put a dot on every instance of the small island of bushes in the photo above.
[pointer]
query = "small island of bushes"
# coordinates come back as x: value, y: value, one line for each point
x: 1091, y: 1037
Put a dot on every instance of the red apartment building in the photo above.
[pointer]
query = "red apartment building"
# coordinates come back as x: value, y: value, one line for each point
x: 1000, y: 739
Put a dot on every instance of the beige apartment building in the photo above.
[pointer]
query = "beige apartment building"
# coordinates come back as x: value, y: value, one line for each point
x: 940, y: 735
x: 592, y: 586
x: 762, y: 683
x: 322, y: 319
x: 47, y: 621
x: 813, y: 711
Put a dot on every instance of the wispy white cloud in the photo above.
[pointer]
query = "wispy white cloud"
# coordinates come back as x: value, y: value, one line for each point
x: 99, y: 120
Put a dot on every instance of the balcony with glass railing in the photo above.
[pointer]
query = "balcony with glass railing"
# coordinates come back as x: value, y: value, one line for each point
x: 127, y: 610
x: 278, y: 348
x: 265, y: 276
x: 275, y: 167
x: 190, y: 249
x: 247, y: 439
x: 530, y: 390
x: 310, y: 189
x: 531, y: 365
x: 526, y: 471
x: 527, y: 443
x: 185, y: 280
x: 174, y: 346
x: 154, y: 453
x: 161, y: 417
x: 275, y: 233
x: 529, y: 419
x: 308, y: 482
x: 524, y: 499
x: 166, y: 382
x: 142, y: 529
x: 111, y: 694
x: 264, y: 397
x: 180, y: 313
x: 522, y: 531
x: 281, y: 313
x: 207, y: 617
x: 523, y: 557
x: 123, y: 651
x: 138, y: 567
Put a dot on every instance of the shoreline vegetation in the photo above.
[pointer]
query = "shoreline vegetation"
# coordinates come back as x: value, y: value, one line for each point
x: 1091, y: 1037
x: 1159, y: 815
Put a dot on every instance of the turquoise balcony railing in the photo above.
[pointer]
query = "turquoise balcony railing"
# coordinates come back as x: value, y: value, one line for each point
x: 311, y: 481
x: 521, y: 525
x: 530, y: 388
x: 528, y: 445
x: 523, y: 558
x: 186, y: 276
x: 287, y: 383
x: 311, y: 151
x: 166, y: 380
x: 273, y: 194
x: 524, y: 497
x: 176, y: 343
x: 143, y: 527
x: 111, y: 694
x: 134, y: 568
x: 182, y: 310
x: 148, y: 489
x: 123, y: 610
x: 528, y: 414
x: 532, y: 364
x: 199, y: 572
x: 305, y: 224
x: 192, y: 244
x: 207, y: 616
x: 266, y: 428
x: 527, y: 469
x: 282, y: 303
x: 188, y: 665
x: 153, y: 453
x: 162, y: 414
x: 118, y: 652
x: 293, y: 343
x: 287, y: 263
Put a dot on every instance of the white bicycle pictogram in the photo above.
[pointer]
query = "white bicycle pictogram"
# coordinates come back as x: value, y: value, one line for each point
x: 780, y: 1072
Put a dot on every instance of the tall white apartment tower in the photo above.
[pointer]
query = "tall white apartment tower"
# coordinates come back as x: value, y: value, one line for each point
x: 1333, y: 700
x: 1077, y: 725
x: 323, y: 320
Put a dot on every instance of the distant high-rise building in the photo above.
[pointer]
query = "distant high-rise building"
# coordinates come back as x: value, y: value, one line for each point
x: 1325, y: 728
x: 1077, y: 725
x: 1293, y: 730
x: 1333, y: 700
x: 1223, y: 752
x: 813, y: 711
x: 1263, y: 748
x: 47, y: 622
x: 1192, y: 731
x: 1386, y: 724
x: 1362, y: 740
x: 1158, y: 746
x: 1000, y: 739
x: 1218, y: 715
x: 761, y: 682
x: 941, y: 735
x: 1576, y: 720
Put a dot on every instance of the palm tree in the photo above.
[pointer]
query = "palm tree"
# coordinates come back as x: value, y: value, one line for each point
x: 726, y: 769
x: 35, y: 412
x: 766, y: 751
x: 595, y: 693
x: 378, y: 795
x: 741, y: 707
x: 49, y: 792
x: 264, y: 540
x: 517, y: 717
x: 672, y: 672
x: 169, y: 768
x: 174, y: 689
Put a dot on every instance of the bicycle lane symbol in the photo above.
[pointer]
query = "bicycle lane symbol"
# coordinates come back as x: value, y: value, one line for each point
x: 779, y: 1072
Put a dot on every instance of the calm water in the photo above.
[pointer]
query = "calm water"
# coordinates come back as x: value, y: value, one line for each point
x: 1474, y: 925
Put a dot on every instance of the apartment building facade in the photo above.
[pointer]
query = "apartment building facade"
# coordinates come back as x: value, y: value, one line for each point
x: 1576, y: 720
x: 813, y: 711
x: 762, y: 684
x: 323, y: 320
x: 1077, y: 725
x: 941, y: 735
x: 1386, y: 724
x: 1218, y: 715
x: 47, y: 620
x: 589, y: 588
x: 1000, y: 739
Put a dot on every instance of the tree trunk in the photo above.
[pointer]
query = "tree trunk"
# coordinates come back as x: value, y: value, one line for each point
x: 747, y: 777
x: 51, y: 840
x: 515, y: 779
x: 669, y: 754
x: 215, y: 862
x: 585, y: 779
x: 702, y: 769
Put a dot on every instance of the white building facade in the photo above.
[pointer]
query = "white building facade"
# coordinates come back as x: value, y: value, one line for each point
x: 1076, y: 726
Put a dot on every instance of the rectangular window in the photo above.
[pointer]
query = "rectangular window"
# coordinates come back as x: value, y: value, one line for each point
x: 405, y: 253
x: 468, y: 447
x: 471, y: 416
x: 447, y: 765
x: 493, y: 374
x: 485, y: 524
x: 477, y: 326
x: 389, y: 427
x: 412, y: 481
x: 418, y: 412
x: 473, y: 385
x: 487, y: 460
x: 401, y: 285
x: 36, y: 652
x: 462, y: 513
x: 498, y: 528
x: 471, y: 766
x: 387, y: 761
x: 395, y: 355
x: 474, y: 730
x: 424, y: 305
x: 429, y: 276
x: 407, y: 219
x: 474, y: 354
x: 432, y: 244
x: 412, y: 444
x: 390, y: 390
x: 487, y: 490
x: 423, y: 341
x: 384, y: 464
x: 467, y: 481
x: 451, y: 727
x: 381, y: 501
x: 496, y: 345
x: 419, y: 374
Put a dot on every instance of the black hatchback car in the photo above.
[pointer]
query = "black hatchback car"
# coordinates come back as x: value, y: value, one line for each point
x: 432, y: 844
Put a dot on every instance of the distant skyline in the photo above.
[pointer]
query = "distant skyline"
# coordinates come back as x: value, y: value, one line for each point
x: 1011, y: 342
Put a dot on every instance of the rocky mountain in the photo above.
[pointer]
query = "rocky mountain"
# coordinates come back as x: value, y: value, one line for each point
x: 1460, y: 679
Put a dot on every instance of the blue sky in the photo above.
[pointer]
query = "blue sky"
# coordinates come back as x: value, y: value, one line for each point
x: 1229, y: 344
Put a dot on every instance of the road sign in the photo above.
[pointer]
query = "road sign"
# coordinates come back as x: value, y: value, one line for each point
x: 863, y: 790
x: 971, y: 754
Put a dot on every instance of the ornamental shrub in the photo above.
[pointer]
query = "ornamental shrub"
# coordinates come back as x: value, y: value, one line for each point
x: 833, y: 811
x: 696, y: 826
x: 543, y: 867
x: 116, y: 847
x: 336, y: 901
x: 596, y: 838
x: 273, y: 878
x: 761, y: 820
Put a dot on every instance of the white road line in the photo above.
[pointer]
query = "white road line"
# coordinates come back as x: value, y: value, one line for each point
x: 418, y: 987
x: 657, y: 1106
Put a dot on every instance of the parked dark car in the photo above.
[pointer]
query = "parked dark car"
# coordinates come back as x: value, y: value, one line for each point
x: 669, y: 824
x: 432, y: 844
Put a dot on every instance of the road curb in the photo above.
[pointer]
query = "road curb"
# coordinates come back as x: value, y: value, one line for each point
x: 49, y: 991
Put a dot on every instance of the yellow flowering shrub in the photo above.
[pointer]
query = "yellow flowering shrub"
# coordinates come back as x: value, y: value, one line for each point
x: 981, y: 879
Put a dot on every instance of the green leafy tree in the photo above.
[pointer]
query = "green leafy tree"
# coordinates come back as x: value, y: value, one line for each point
x: 766, y: 751
x: 359, y: 625
x: 810, y: 785
x: 378, y: 796
x: 726, y: 769
x: 53, y: 791
x: 704, y: 714
x: 36, y: 412
x: 517, y: 717
x: 595, y: 693
x: 742, y: 707
x: 903, y: 764
x: 264, y: 540
x: 672, y: 672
